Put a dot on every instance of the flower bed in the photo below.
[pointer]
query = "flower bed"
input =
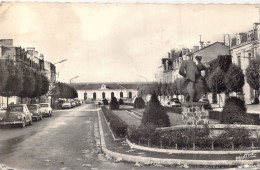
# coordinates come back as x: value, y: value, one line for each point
x: 194, y: 138
x: 118, y: 126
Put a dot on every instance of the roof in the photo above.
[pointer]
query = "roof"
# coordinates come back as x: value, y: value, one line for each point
x: 210, y: 46
x: 97, y: 86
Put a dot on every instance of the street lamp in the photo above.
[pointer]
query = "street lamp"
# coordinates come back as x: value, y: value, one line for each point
x: 73, y: 78
x: 60, y: 61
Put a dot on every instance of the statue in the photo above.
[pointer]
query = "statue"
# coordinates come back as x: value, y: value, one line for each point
x: 193, y: 86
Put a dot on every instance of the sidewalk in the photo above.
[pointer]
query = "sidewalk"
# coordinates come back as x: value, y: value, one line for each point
x: 122, y: 151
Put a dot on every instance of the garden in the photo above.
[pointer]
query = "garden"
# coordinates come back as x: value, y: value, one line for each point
x: 239, y: 130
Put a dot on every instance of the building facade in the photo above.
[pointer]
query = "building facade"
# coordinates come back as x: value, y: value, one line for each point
x: 28, y: 57
x: 98, y: 91
x: 244, y: 48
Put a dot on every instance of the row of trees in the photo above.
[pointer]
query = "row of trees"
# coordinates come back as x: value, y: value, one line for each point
x: 160, y: 89
x: 63, y: 90
x: 17, y: 79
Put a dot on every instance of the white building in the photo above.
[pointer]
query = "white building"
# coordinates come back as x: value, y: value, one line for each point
x: 245, y: 47
x: 97, y: 91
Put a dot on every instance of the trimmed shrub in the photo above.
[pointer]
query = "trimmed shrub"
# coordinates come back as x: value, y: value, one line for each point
x: 120, y: 102
x: 224, y: 61
x: 234, y: 78
x: 118, y: 126
x: 155, y: 113
x: 105, y: 101
x: 114, y: 104
x: 234, y: 111
x: 139, y: 103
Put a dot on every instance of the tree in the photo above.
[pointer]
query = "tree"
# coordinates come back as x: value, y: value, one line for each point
x: 164, y: 89
x: 14, y: 84
x: 234, y: 111
x: 253, y: 76
x: 234, y: 79
x: 139, y: 103
x: 28, y: 82
x: 4, y: 74
x: 38, y: 85
x: 45, y: 85
x: 155, y: 113
x: 216, y: 82
x: 113, y: 104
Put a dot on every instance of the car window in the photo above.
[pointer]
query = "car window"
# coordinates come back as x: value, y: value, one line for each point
x: 44, y: 105
x: 32, y: 107
x: 15, y: 108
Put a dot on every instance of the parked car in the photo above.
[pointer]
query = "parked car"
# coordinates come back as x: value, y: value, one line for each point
x: 66, y: 105
x: 16, y: 114
x: 73, y: 104
x: 174, y: 102
x: 45, y: 109
x: 35, y: 110
x: 207, y: 105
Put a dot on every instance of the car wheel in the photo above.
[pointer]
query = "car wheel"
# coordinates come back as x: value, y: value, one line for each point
x: 23, y: 123
x: 30, y: 122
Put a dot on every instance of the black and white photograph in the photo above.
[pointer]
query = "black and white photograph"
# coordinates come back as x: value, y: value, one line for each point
x: 129, y: 85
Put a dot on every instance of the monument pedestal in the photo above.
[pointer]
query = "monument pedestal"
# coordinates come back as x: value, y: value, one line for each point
x: 193, y: 113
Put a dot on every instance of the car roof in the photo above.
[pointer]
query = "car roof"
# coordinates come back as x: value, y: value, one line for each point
x: 17, y: 105
x: 32, y: 104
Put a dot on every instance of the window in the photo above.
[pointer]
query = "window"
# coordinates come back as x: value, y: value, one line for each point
x: 130, y: 95
x: 94, y: 95
x: 121, y: 94
x: 239, y: 61
x: 112, y: 94
x: 103, y: 95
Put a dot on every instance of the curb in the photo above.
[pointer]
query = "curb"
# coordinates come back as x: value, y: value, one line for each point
x: 149, y: 160
x: 115, y: 139
x: 172, y: 151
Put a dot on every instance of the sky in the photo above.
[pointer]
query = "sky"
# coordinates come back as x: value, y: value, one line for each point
x: 117, y: 42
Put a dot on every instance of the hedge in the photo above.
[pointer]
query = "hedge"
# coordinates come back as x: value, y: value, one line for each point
x: 118, y: 126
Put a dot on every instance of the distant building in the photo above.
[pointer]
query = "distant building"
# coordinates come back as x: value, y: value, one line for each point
x: 245, y: 47
x: 97, y: 91
x: 210, y: 53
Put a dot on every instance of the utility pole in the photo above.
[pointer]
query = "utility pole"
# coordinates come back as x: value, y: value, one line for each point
x: 201, y: 42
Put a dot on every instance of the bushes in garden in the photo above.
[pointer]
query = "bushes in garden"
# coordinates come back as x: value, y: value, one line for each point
x: 105, y: 101
x: 234, y: 111
x: 139, y: 103
x: 120, y: 102
x: 192, y: 138
x: 114, y: 104
x: 118, y: 126
x: 155, y: 113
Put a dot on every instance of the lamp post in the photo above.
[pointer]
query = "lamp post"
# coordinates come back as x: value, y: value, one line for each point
x: 60, y: 61
x: 73, y: 78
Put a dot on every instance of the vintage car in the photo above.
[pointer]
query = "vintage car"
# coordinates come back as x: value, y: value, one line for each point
x: 174, y: 102
x: 45, y: 109
x: 66, y: 105
x: 34, y: 109
x: 17, y: 114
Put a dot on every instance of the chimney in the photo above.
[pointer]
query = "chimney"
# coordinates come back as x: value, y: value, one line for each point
x: 6, y: 42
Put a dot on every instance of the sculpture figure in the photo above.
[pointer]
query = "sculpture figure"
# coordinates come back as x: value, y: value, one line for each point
x: 192, y: 85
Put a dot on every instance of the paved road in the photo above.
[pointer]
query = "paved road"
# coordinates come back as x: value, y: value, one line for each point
x: 67, y: 140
